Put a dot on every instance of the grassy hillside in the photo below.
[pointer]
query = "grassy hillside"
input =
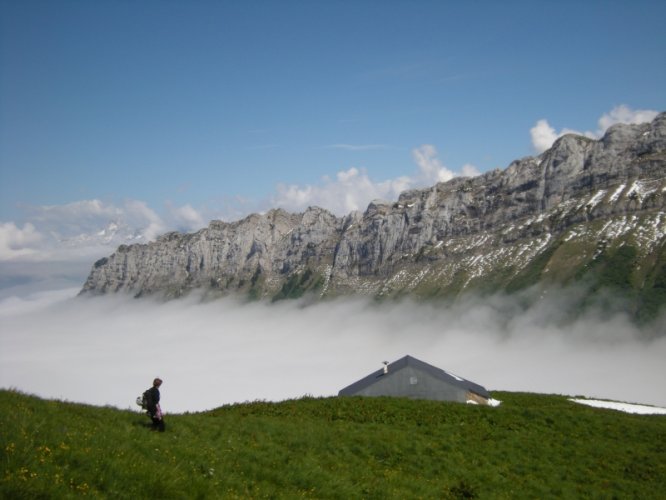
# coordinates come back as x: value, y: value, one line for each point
x: 531, y: 446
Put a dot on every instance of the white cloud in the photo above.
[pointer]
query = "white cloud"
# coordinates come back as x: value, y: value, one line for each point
x: 231, y: 351
x: 544, y: 135
x: 346, y: 176
x: 17, y: 242
x: 353, y: 189
x: 87, y: 217
x: 431, y: 168
x: 187, y: 218
x: 74, y: 218
x: 624, y: 114
x: 82, y: 229
x: 469, y: 170
x: 139, y: 214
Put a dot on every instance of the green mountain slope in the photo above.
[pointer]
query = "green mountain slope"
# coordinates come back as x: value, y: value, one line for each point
x: 531, y: 446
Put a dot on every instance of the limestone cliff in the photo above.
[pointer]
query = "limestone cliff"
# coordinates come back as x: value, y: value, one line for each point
x: 580, y: 211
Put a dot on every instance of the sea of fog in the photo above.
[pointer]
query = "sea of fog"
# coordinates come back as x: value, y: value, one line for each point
x: 107, y: 350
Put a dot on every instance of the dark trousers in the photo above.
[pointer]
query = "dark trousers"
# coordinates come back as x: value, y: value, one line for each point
x: 158, y: 424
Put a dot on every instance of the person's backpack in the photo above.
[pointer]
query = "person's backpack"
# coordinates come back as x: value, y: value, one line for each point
x: 144, y: 400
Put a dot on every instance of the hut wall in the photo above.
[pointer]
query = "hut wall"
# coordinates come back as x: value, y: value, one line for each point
x: 413, y: 383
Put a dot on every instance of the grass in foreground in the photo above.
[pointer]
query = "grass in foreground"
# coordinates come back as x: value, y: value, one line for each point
x: 531, y: 446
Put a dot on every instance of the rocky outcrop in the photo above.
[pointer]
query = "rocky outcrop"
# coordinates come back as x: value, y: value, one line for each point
x: 540, y: 220
x: 253, y: 253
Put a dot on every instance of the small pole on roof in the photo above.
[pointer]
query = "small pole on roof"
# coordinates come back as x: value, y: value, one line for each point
x: 386, y: 363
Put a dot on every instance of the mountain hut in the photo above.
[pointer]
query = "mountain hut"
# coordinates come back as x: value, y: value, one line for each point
x: 411, y: 378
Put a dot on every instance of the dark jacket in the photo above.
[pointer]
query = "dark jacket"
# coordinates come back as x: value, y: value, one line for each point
x: 153, y: 400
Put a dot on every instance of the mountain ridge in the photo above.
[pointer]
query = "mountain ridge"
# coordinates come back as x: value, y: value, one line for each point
x: 563, y: 216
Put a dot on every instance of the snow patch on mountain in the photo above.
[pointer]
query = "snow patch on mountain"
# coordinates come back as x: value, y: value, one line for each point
x: 614, y: 197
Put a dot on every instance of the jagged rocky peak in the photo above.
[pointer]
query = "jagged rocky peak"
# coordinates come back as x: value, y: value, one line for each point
x: 377, y: 207
x: 539, y: 220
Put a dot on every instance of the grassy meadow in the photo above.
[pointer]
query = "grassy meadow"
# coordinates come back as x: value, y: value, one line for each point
x: 532, y: 446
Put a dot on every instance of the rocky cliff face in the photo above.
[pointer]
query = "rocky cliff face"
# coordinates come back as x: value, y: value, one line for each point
x: 583, y: 210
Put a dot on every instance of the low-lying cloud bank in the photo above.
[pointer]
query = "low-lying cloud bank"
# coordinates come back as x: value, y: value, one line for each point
x: 107, y: 350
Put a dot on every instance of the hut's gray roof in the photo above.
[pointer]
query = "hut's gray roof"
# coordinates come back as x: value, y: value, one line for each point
x: 433, y: 371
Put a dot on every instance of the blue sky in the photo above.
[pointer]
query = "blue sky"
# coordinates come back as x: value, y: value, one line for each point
x: 164, y: 114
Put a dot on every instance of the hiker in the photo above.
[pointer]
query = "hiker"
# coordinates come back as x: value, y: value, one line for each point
x: 153, y: 405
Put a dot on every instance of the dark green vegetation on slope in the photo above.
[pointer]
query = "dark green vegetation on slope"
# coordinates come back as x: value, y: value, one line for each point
x: 299, y: 284
x: 608, y: 276
x: 531, y: 446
